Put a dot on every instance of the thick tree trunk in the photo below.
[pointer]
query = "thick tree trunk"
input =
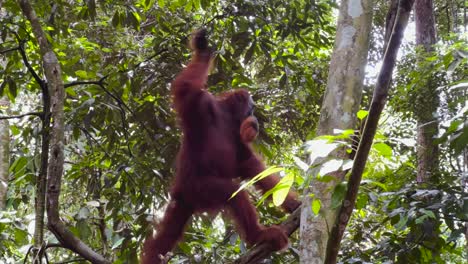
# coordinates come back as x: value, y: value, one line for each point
x: 428, y: 99
x: 377, y: 105
x: 341, y: 102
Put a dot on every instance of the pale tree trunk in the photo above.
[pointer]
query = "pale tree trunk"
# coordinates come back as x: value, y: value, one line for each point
x: 4, y: 154
x: 428, y: 99
x: 340, y: 104
x: 55, y: 87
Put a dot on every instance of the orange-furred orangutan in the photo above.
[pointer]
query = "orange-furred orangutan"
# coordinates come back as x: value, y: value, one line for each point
x: 216, y: 151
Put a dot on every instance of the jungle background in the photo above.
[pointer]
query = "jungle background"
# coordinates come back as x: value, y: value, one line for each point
x: 120, y: 133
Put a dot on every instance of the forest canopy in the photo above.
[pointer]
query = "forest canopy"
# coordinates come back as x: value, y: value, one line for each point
x: 89, y: 136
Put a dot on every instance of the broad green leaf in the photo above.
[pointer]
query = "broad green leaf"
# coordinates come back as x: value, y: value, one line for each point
x: 316, y: 205
x: 12, y: 88
x: 421, y: 219
x: 383, y: 149
x: 361, y: 114
x: 376, y: 183
x: 185, y: 248
x: 330, y: 166
x: 428, y: 213
x: 319, y: 148
x: 338, y: 195
x: 361, y: 201
x: 302, y: 165
x: 82, y: 74
x: 279, y: 195
x: 402, y: 223
x: 83, y: 229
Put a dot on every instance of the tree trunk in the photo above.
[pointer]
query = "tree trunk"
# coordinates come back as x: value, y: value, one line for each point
x: 53, y: 74
x: 341, y: 102
x: 4, y: 155
x: 377, y: 105
x: 425, y: 112
x: 428, y: 99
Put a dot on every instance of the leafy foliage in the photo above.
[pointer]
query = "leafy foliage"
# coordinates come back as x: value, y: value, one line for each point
x: 118, y: 58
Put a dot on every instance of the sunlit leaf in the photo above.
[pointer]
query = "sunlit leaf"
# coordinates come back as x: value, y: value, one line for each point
x: 302, y: 165
x: 279, y: 195
x: 263, y: 174
x: 316, y: 205
x: 319, y: 149
x: 118, y: 243
x: 330, y: 166
x: 361, y: 114
x: 383, y: 149
x: 82, y: 74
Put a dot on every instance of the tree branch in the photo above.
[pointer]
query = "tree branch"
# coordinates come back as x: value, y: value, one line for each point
x: 377, y: 105
x: 26, y: 62
x: 53, y: 73
x: 262, y: 251
x: 39, y: 114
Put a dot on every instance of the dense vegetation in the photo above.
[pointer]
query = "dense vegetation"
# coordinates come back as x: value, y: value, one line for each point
x: 118, y: 59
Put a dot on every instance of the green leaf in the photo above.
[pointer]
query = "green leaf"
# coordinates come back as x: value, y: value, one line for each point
x: 185, y: 248
x: 421, y: 219
x: 21, y: 236
x: 338, y: 195
x: 282, y: 189
x: 70, y: 91
x: 402, y: 223
x: 330, y: 166
x: 14, y: 130
x: 428, y: 213
x: 82, y: 74
x: 361, y: 114
x: 261, y: 175
x: 12, y: 88
x: 316, y: 205
x: 362, y: 201
x: 116, y: 22
x: 383, y: 149
x: 83, y: 229
x: 118, y: 242
x: 161, y: 3
x: 319, y: 148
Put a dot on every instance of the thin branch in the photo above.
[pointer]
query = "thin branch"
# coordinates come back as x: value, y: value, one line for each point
x: 26, y: 61
x: 262, y: 251
x: 8, y: 50
x: 38, y: 114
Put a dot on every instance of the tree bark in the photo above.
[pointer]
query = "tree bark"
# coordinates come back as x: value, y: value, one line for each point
x: 428, y: 98
x: 378, y: 102
x: 341, y: 102
x: 56, y: 89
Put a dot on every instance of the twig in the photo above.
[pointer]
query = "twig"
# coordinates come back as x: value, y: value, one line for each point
x: 38, y: 114
x: 8, y: 50
x: 263, y: 251
x: 26, y: 61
